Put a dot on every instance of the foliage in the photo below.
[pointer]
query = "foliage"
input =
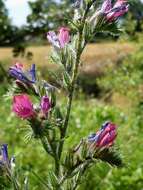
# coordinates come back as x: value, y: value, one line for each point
x: 133, y: 22
x: 5, y: 25
x: 127, y: 78
x: 47, y: 15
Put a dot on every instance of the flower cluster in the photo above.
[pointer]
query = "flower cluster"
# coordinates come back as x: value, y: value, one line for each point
x: 24, y: 109
x: 22, y: 105
x: 60, y: 40
x: 18, y: 73
x: 105, y: 137
x: 5, y: 162
x: 113, y: 13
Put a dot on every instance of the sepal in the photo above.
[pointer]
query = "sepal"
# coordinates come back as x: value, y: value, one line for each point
x: 110, y: 155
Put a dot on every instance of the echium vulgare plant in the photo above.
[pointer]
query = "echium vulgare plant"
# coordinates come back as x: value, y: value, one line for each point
x: 34, y: 100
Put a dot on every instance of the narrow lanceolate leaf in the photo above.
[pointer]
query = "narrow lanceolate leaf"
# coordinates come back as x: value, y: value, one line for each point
x: 66, y: 80
x: 55, y: 57
x: 54, y: 181
x: 69, y: 162
x: 26, y: 184
x: 110, y: 155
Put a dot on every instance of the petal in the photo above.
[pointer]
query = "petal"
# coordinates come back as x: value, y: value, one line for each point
x: 106, y: 6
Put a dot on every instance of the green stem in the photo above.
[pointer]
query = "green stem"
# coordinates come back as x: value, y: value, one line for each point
x: 70, y: 97
x: 46, y: 145
x: 74, y: 78
x: 57, y: 165
x: 79, y: 51
x: 50, y: 150
x: 15, y: 183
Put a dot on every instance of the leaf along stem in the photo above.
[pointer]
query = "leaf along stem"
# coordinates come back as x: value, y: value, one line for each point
x: 74, y: 78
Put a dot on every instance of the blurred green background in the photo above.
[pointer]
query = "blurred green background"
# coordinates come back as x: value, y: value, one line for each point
x: 110, y: 87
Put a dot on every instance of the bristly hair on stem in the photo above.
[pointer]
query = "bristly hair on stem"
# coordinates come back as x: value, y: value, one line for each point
x: 74, y: 77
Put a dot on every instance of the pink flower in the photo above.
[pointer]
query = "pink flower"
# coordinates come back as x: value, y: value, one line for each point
x: 22, y: 106
x: 19, y: 65
x: 106, y: 6
x: 45, y: 104
x: 60, y: 40
x: 53, y: 39
x: 118, y: 10
x: 105, y: 137
x: 63, y: 36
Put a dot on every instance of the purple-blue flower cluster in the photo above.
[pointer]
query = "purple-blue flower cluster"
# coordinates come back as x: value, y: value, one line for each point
x: 4, y: 155
x: 18, y: 73
x: 105, y: 136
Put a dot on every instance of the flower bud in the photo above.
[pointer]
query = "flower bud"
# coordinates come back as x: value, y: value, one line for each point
x: 6, y: 164
x: 53, y: 39
x: 4, y: 154
x: 105, y: 136
x: 60, y: 40
x: 45, y: 105
x: 23, y: 107
x: 64, y: 36
x: 19, y: 65
x: 113, y: 13
x: 18, y: 73
x: 106, y: 6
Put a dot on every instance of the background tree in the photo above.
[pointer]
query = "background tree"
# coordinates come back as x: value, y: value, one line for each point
x: 134, y: 19
x: 46, y: 15
x: 6, y: 28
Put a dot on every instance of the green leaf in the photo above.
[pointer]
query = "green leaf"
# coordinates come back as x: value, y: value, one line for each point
x: 26, y: 185
x: 111, y: 156
x: 66, y: 80
x: 54, y: 181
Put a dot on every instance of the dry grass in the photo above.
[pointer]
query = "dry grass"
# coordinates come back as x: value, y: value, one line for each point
x: 94, y: 57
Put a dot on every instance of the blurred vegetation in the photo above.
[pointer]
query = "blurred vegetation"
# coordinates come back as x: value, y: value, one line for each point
x: 50, y: 15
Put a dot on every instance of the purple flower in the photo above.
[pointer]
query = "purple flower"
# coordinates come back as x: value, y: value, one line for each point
x: 113, y: 13
x: 5, y: 162
x: 45, y: 105
x: 105, y: 136
x: 106, y: 6
x: 63, y: 36
x: 53, y: 39
x: 4, y: 153
x: 17, y: 72
x: 60, y: 40
x: 23, y: 106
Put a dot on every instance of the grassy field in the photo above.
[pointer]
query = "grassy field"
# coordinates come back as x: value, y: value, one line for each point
x: 95, y: 56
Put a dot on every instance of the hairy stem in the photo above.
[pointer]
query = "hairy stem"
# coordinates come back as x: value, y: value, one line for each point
x: 74, y: 77
x: 50, y: 150
x: 79, y: 51
x: 70, y: 97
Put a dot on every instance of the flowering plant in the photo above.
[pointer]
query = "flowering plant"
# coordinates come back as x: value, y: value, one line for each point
x: 34, y: 100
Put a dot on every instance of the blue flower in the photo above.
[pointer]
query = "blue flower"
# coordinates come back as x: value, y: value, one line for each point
x: 93, y: 138
x: 4, y: 152
x: 26, y: 77
x: 4, y: 155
